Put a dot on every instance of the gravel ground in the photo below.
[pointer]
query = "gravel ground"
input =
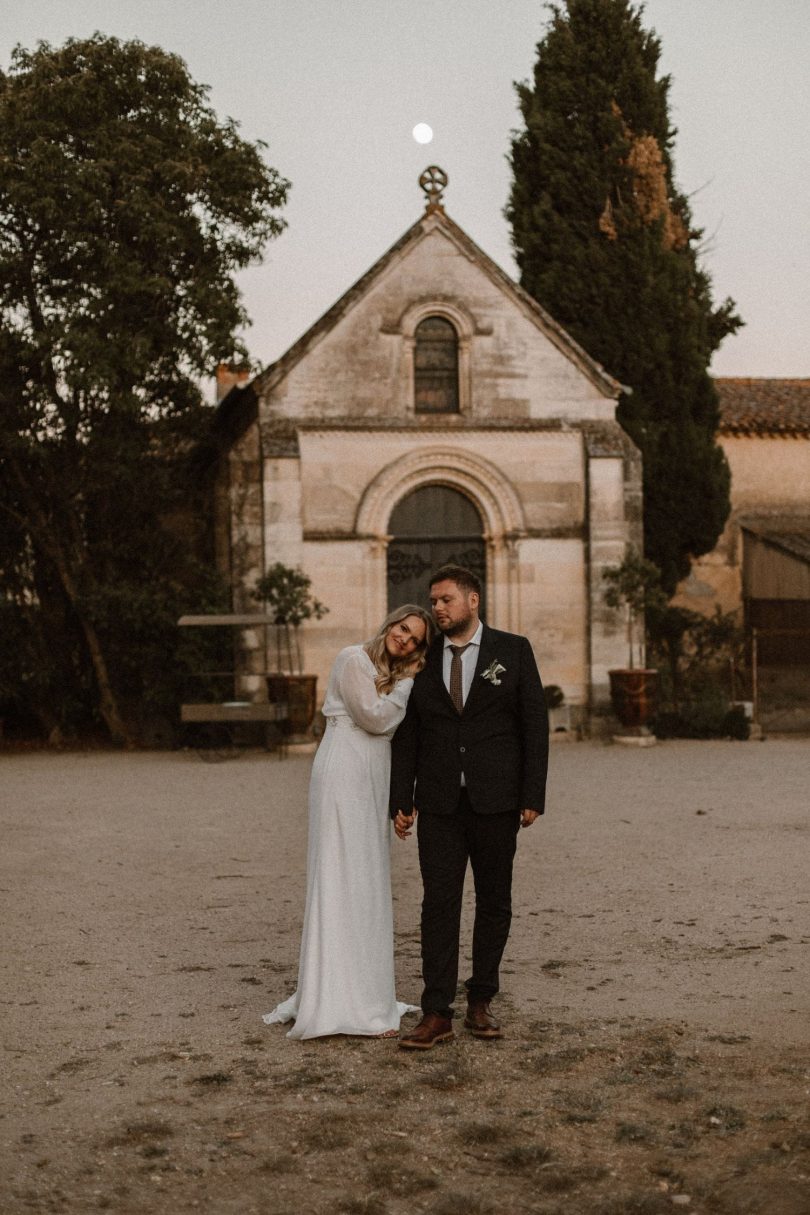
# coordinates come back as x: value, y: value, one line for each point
x: 655, y: 992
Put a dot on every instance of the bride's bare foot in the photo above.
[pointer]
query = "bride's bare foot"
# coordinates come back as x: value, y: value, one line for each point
x: 389, y: 1033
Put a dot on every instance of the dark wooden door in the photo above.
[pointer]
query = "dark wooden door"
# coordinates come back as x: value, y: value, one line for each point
x: 432, y: 526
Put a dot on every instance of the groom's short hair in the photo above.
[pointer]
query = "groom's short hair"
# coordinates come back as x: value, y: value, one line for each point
x: 463, y: 578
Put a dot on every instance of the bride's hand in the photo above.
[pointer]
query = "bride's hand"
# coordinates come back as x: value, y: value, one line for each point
x: 413, y: 667
x: 403, y: 824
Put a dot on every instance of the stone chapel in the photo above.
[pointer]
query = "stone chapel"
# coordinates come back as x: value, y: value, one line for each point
x: 436, y: 413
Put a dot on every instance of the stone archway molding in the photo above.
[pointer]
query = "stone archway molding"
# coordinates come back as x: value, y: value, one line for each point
x: 477, y: 478
x: 460, y: 318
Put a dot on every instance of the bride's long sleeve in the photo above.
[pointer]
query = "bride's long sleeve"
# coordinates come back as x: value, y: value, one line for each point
x: 367, y: 708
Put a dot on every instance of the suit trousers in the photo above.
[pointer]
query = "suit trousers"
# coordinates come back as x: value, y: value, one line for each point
x: 446, y: 843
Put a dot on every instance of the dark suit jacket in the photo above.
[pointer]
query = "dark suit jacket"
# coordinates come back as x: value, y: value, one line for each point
x: 499, y: 741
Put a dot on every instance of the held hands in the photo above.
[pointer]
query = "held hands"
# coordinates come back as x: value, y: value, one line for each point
x: 403, y: 823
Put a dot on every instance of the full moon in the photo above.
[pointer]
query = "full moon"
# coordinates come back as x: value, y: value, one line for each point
x: 422, y: 133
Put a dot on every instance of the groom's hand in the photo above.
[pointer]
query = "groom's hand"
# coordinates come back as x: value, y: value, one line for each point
x: 403, y: 823
x: 528, y: 817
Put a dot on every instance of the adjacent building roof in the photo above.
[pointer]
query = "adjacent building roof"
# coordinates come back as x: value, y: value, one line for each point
x: 776, y: 558
x: 790, y: 534
x: 764, y: 407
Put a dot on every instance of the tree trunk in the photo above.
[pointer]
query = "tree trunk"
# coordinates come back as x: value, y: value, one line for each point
x: 119, y: 731
x: 108, y: 705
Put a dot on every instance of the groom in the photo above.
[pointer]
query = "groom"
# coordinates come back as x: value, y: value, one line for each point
x: 470, y: 759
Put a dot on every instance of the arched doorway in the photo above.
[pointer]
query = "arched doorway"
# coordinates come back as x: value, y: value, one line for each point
x: 432, y: 526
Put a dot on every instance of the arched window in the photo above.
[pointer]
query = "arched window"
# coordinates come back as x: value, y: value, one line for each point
x: 432, y: 526
x: 435, y: 366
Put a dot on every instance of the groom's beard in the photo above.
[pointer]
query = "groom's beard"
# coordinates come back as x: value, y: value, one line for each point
x: 456, y: 628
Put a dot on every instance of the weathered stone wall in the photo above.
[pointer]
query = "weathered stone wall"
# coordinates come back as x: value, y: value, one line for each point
x: 545, y: 580
x: 247, y: 517
x: 361, y: 368
x: 544, y: 469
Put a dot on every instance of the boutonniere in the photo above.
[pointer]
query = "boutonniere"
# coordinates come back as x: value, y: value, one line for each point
x: 492, y: 672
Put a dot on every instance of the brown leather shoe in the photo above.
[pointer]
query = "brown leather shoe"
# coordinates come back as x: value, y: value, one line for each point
x: 430, y: 1030
x: 480, y: 1021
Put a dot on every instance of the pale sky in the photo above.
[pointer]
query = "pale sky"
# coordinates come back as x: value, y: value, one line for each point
x: 334, y: 87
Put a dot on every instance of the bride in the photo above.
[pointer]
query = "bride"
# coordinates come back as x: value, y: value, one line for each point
x: 346, y: 963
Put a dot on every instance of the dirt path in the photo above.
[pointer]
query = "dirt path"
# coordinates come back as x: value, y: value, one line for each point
x: 656, y: 991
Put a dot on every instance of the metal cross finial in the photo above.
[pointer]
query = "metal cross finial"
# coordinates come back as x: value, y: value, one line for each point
x: 433, y: 182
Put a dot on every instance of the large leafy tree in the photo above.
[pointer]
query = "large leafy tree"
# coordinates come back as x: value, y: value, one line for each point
x: 126, y: 206
x: 606, y: 242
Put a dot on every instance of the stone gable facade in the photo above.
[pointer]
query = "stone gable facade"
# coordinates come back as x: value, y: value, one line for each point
x: 319, y: 450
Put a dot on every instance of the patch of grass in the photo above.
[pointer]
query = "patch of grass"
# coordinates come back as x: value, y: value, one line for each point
x: 622, y: 1075
x: 555, y: 1060
x: 579, y: 1117
x: 396, y: 1180
x: 579, y: 1108
x: 213, y: 1078
x: 555, y: 1181
x: 684, y: 1134
x: 659, y: 1058
x: 587, y: 1172
x: 306, y: 1077
x: 526, y: 1157
x: 726, y: 1118
x: 330, y: 1132
x: 448, y: 1074
x: 636, y: 1204
x: 463, y: 1204
x: 675, y: 1093
x: 481, y: 1132
x: 72, y: 1066
x: 367, y: 1204
x: 539, y: 1027
x: 634, y: 1132
x: 330, y: 1139
x: 140, y: 1132
x: 283, y: 1162
x: 253, y: 1069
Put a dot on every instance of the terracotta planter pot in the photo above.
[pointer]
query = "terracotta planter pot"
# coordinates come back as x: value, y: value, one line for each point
x: 300, y: 693
x: 633, y: 694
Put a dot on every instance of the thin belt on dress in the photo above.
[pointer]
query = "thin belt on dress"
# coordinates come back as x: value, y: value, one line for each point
x: 348, y: 724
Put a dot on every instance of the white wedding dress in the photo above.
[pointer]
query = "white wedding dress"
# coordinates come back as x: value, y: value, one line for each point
x: 346, y: 964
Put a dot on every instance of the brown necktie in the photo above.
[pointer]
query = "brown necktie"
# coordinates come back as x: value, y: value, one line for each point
x: 456, y: 690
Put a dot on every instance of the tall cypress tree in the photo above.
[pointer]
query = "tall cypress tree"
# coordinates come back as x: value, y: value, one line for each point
x: 605, y: 241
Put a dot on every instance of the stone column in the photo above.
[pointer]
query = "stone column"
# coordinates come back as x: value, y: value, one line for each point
x: 614, y: 523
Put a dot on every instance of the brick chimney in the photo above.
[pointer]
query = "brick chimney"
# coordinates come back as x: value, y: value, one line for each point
x: 230, y: 375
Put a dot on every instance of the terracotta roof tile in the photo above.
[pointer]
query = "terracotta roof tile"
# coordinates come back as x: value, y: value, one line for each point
x: 766, y: 407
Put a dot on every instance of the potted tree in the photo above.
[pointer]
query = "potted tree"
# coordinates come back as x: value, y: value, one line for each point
x: 287, y: 597
x: 635, y: 587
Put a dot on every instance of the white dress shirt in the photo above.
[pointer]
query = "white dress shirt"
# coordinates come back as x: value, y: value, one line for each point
x: 469, y: 660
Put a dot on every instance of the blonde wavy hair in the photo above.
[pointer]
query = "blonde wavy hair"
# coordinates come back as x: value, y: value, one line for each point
x: 390, y: 670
